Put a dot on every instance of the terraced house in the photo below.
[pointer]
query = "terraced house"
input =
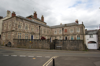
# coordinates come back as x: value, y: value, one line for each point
x: 31, y: 27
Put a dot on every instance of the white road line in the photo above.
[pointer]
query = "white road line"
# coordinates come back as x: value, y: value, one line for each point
x: 14, y: 55
x: 30, y: 56
x: 47, y: 56
x: 39, y: 56
x: 22, y: 55
x: 5, y: 55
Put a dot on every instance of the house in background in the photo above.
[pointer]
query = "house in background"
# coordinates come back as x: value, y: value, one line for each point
x: 91, y: 38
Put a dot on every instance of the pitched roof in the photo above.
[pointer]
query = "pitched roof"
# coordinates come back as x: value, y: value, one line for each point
x: 88, y: 32
x: 31, y: 21
x: 69, y: 24
x: 35, y: 18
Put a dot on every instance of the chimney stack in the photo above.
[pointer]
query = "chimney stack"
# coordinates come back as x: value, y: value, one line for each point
x: 76, y: 21
x: 1, y: 17
x: 60, y: 23
x: 42, y: 18
x: 35, y: 15
x: 8, y: 13
x: 13, y: 14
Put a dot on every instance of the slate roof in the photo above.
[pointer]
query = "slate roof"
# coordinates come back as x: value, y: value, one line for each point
x: 69, y: 24
x: 31, y: 21
x: 35, y: 18
x: 89, y: 32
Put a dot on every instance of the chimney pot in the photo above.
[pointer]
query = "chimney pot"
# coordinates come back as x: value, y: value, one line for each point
x: 8, y: 13
x: 42, y: 18
x: 76, y: 21
x: 13, y: 14
x: 35, y: 15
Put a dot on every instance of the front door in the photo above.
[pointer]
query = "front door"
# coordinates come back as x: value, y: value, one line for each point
x: 65, y: 38
x: 31, y: 36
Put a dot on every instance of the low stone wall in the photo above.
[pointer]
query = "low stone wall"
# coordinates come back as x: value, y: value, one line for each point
x: 34, y: 44
x: 69, y: 45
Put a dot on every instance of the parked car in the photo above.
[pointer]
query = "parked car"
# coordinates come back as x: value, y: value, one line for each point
x: 8, y: 44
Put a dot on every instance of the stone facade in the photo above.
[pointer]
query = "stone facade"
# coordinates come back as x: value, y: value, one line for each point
x: 18, y: 27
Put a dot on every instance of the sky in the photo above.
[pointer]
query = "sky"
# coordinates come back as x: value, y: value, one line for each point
x: 56, y: 11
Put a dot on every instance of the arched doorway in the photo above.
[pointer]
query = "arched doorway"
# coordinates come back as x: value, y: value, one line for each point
x: 92, y: 45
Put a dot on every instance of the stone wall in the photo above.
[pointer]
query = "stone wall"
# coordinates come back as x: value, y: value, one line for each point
x: 69, y: 45
x: 99, y: 37
x: 33, y: 44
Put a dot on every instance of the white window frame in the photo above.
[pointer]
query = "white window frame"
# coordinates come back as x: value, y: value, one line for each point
x: 55, y: 31
x: 91, y: 36
x: 19, y: 35
x: 60, y: 31
x: 71, y: 30
x: 78, y: 29
x: 26, y: 36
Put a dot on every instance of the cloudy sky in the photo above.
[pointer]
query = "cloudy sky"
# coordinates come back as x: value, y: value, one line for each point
x: 56, y: 11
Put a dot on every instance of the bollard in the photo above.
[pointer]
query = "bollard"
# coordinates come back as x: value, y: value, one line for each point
x: 53, y: 62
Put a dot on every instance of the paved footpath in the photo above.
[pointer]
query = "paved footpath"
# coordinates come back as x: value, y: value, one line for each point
x: 77, y: 61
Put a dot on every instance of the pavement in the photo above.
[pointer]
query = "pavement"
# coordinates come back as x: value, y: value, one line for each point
x: 77, y: 61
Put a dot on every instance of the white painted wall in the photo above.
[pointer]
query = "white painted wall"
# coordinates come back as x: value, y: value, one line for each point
x: 95, y: 38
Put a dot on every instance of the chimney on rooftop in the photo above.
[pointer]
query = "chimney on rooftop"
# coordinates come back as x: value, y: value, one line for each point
x: 13, y: 14
x: 1, y: 17
x: 42, y: 18
x: 60, y: 23
x: 76, y: 21
x: 35, y: 15
x: 8, y: 13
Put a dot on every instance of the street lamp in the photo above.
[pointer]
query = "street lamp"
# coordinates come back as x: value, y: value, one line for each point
x: 39, y: 32
x: 63, y: 34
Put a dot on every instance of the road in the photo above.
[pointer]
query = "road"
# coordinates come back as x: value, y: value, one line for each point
x: 37, y: 57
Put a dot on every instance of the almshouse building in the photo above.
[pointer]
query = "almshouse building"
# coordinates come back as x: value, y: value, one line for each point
x: 31, y: 27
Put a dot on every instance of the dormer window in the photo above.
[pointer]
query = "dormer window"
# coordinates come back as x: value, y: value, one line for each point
x: 91, y: 36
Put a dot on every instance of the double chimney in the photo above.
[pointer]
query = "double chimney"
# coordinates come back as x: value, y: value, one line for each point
x: 35, y: 16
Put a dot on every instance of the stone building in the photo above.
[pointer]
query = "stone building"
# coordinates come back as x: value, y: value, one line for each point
x: 31, y: 27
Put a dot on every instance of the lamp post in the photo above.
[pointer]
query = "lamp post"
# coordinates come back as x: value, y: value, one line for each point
x: 63, y: 34
x: 39, y: 32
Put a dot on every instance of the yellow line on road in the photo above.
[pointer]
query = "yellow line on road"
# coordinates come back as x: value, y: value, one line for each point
x: 49, y: 61
x: 34, y: 58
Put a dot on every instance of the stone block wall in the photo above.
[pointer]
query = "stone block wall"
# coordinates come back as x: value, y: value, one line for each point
x: 33, y: 44
x: 69, y: 45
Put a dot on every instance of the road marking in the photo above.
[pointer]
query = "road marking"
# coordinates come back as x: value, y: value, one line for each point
x: 34, y: 58
x: 49, y: 61
x: 47, y: 56
x: 39, y: 56
x: 5, y: 55
x: 30, y: 56
x: 14, y: 55
x: 22, y: 55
